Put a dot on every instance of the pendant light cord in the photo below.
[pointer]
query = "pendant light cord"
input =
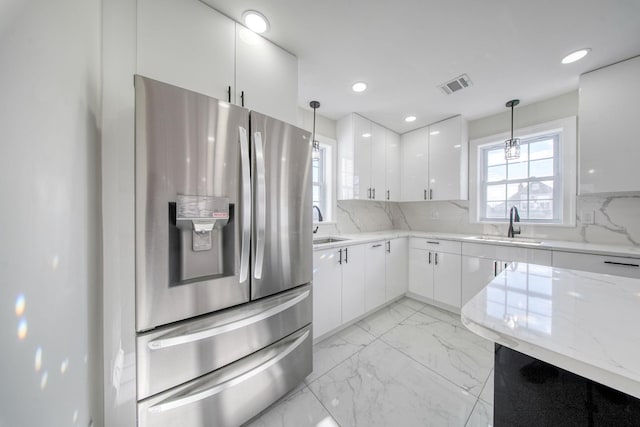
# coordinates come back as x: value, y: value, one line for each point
x: 314, y: 144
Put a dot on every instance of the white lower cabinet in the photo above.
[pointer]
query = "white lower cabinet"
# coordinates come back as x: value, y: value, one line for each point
x: 482, y: 262
x: 434, y: 270
x: 353, y: 282
x: 374, y: 275
x: 327, y: 291
x: 396, y: 263
x: 615, y: 265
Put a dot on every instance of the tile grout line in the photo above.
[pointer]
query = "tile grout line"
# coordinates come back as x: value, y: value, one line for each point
x: 323, y: 405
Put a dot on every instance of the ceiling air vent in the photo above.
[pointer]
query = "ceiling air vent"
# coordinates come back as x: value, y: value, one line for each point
x: 456, y: 84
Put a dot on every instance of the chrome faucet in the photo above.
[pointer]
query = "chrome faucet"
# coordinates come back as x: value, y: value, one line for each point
x: 513, y: 217
x: 316, y: 208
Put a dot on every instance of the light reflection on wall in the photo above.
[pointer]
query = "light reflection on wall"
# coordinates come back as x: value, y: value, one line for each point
x: 521, y: 297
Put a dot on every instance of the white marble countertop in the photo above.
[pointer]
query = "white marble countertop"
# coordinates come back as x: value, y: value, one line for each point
x: 586, y: 323
x: 593, y: 248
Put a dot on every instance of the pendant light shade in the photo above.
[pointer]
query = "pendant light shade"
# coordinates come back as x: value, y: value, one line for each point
x: 315, y: 144
x: 512, y: 145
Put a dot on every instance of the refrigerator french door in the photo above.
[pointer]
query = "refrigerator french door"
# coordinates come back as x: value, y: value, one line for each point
x: 223, y: 254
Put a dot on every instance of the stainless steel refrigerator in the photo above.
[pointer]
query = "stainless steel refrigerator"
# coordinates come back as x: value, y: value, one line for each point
x: 223, y: 258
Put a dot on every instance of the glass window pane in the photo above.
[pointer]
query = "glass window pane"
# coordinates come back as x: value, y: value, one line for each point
x: 541, y: 190
x: 541, y: 168
x: 517, y: 170
x: 316, y: 193
x: 496, y: 173
x: 495, y: 210
x: 495, y: 192
x: 541, y: 149
x: 541, y: 209
x: 517, y: 191
x: 495, y: 157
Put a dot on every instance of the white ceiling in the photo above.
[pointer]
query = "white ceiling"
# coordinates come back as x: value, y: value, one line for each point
x: 404, y: 49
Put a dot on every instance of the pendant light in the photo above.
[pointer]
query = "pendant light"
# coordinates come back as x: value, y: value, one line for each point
x: 512, y: 145
x: 315, y: 143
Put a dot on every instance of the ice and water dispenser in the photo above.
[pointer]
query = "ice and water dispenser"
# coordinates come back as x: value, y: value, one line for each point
x: 201, y: 241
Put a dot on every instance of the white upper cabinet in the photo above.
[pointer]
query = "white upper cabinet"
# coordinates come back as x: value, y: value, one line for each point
x: 378, y: 162
x: 363, y: 148
x: 187, y: 44
x: 190, y: 45
x: 609, y: 144
x: 448, y: 160
x: 393, y: 159
x: 435, y: 162
x: 415, y: 165
x: 266, y: 76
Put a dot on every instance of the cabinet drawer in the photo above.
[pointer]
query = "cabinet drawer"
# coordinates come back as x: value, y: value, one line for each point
x: 507, y: 253
x: 435, y: 245
x: 617, y: 266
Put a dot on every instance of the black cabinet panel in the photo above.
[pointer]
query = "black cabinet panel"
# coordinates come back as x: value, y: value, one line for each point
x: 529, y: 392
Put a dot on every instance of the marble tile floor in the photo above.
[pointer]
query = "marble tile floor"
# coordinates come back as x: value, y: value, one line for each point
x: 408, y: 364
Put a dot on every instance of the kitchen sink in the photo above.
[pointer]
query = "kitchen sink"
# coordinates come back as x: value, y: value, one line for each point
x: 512, y: 240
x: 325, y: 240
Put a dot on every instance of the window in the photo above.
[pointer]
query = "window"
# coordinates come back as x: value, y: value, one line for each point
x: 530, y: 183
x: 322, y: 177
x: 541, y: 183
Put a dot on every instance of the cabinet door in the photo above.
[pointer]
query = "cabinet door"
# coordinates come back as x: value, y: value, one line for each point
x: 617, y: 266
x: 415, y: 165
x: 327, y: 291
x: 378, y: 162
x: 609, y: 111
x: 446, y: 278
x: 266, y: 75
x: 421, y: 272
x: 362, y: 139
x: 448, y: 157
x: 187, y: 44
x: 396, y: 268
x: 353, y: 282
x: 374, y: 275
x: 392, y: 148
x: 476, y: 274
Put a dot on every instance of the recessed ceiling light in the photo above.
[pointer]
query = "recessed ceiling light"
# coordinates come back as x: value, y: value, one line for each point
x: 575, y: 56
x: 255, y: 21
x: 410, y: 119
x: 359, y: 87
x: 366, y: 135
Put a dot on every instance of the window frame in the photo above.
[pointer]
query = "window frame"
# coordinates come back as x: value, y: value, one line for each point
x: 328, y: 172
x: 485, y: 149
x: 567, y: 146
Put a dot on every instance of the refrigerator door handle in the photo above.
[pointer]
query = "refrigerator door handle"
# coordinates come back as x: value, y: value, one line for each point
x: 170, y: 341
x: 246, y: 204
x: 200, y: 394
x: 261, y: 205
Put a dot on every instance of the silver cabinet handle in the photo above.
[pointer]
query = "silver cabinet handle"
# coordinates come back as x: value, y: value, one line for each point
x: 261, y: 205
x: 374, y: 193
x: 346, y: 255
x: 436, y: 258
x: 368, y: 193
x: 246, y: 205
x: 429, y: 257
x: 430, y: 194
x: 377, y: 246
x: 425, y: 194
x: 495, y: 268
x: 198, y: 335
x: 389, y: 246
x: 625, y: 264
x: 432, y: 242
x: 388, y: 194
x: 216, y: 388
x: 340, y: 260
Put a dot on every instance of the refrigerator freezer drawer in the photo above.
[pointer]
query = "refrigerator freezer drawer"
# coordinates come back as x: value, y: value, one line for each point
x: 235, y: 393
x: 173, y: 355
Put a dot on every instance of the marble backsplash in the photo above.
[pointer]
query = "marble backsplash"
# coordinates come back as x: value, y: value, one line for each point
x: 616, y: 220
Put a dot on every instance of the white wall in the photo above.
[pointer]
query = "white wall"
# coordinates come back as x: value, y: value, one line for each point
x: 324, y: 126
x: 119, y: 64
x: 50, y: 312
